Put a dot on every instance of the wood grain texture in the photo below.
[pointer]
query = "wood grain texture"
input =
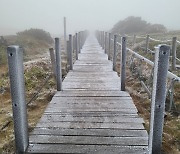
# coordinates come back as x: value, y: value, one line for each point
x: 91, y: 114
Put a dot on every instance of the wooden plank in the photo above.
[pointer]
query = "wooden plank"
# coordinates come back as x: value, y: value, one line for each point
x: 87, y: 125
x: 83, y: 102
x: 90, y: 132
x: 80, y: 85
x: 80, y: 75
x: 88, y: 84
x: 91, y: 69
x: 91, y: 114
x: 92, y: 80
x: 69, y: 118
x: 77, y: 93
x: 90, y: 149
x: 95, y: 99
x: 87, y: 62
x: 98, y: 110
x: 91, y: 107
x: 98, y: 73
x: 89, y: 140
x: 92, y: 56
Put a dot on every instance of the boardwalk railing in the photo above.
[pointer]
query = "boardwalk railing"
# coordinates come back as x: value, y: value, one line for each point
x: 17, y: 84
x: 173, y: 42
x: 74, y: 46
x: 136, y: 59
x: 160, y: 71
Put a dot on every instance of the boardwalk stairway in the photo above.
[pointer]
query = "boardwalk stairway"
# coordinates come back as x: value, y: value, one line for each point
x: 91, y: 114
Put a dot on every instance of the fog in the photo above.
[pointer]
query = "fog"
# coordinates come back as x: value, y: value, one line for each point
x: 18, y: 15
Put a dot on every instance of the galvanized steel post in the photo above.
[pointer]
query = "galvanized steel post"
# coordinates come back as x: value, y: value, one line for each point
x: 100, y: 38
x: 109, y: 46
x: 76, y: 45
x: 58, y: 65
x: 147, y: 43
x: 105, y: 43
x: 52, y: 56
x: 114, y: 54
x: 73, y: 44
x: 174, y: 53
x: 65, y: 45
x: 123, y: 63
x: 79, y: 42
x: 17, y: 84
x: 158, y: 98
x: 134, y: 40
x: 70, y: 53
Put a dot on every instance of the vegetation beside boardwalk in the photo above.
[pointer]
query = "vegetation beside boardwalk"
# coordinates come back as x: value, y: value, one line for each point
x: 139, y: 27
x: 35, y: 75
x: 35, y: 43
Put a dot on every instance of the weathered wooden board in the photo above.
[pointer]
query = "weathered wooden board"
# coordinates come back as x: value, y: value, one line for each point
x: 92, y: 80
x: 88, y: 125
x: 69, y: 118
x: 89, y: 84
x: 91, y: 114
x: 90, y: 149
x: 90, y: 132
x: 90, y: 62
x: 82, y: 68
x: 108, y: 93
x: 83, y: 110
x: 91, y: 102
x: 99, y: 74
x: 89, y: 140
x: 92, y: 56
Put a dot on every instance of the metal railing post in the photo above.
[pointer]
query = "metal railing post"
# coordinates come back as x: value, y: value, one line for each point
x: 100, y: 41
x: 65, y: 45
x: 158, y: 98
x: 134, y: 40
x: 147, y: 43
x: 98, y: 36
x: 79, y: 43
x: 84, y: 37
x: 174, y: 53
x: 17, y: 84
x: 70, y: 53
x: 123, y: 63
x: 105, y: 43
x: 58, y: 65
x: 114, y: 54
x: 76, y: 45
x: 52, y: 56
x: 80, y: 39
x: 73, y: 44
x: 109, y: 46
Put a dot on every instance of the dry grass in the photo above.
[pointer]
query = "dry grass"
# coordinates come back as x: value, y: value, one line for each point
x: 171, y: 132
x: 35, y: 109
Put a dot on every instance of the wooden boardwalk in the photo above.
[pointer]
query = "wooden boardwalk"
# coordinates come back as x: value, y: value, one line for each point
x: 91, y: 114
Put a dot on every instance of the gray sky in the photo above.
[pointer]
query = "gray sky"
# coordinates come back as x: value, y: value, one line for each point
x: 17, y: 15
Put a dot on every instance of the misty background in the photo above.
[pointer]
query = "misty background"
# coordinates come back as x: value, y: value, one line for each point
x: 18, y: 15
